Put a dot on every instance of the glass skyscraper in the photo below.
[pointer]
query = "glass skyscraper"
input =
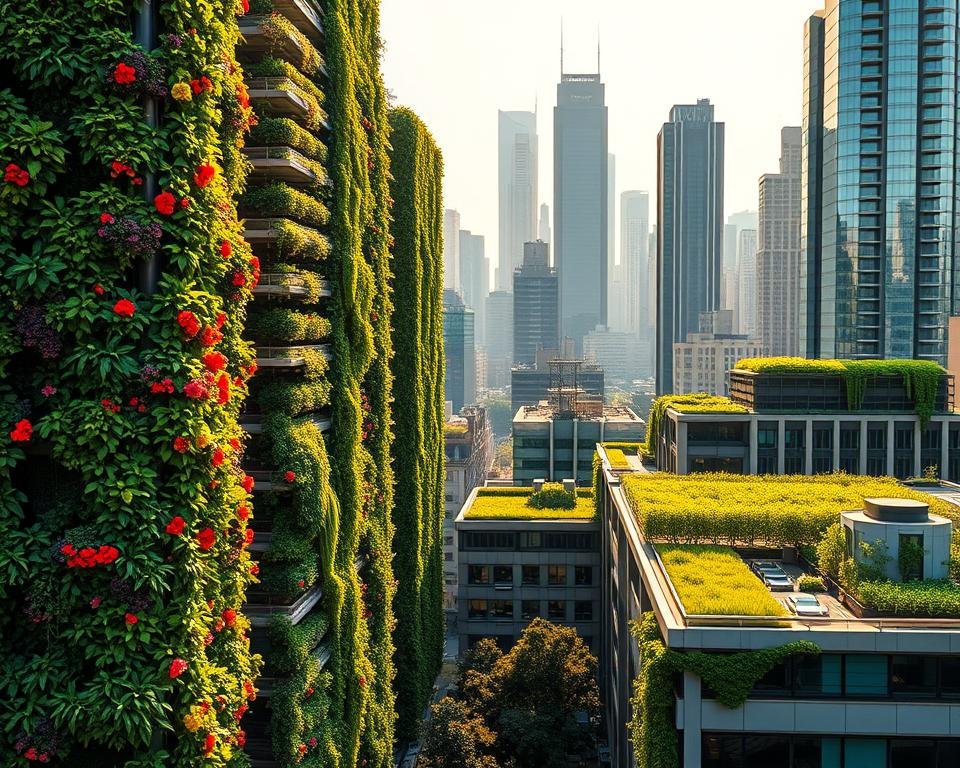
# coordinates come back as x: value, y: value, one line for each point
x: 460, y: 382
x: 879, y: 162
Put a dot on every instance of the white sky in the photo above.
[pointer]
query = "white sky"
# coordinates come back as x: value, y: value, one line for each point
x: 456, y: 62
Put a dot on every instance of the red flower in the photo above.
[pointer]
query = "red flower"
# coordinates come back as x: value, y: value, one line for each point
x: 210, y: 336
x: 229, y: 617
x: 249, y: 536
x: 131, y: 619
x: 218, y: 457
x: 106, y: 218
x: 226, y: 249
x: 221, y: 320
x: 188, y: 322
x: 184, y: 202
x: 363, y: 681
x: 206, y: 539
x: 195, y: 390
x: 247, y: 483
x: 243, y: 512
x: 290, y: 476
x: 204, y: 175
x: 241, y: 735
x: 196, y: 87
x: 31, y: 754
x: 215, y: 361
x: 177, y: 668
x: 181, y: 444
x: 308, y: 693
x: 124, y: 308
x: 239, y: 279
x: 246, y: 5
x: 14, y: 174
x: 162, y: 387
x: 99, y: 290
x: 164, y: 203
x: 209, y: 743
x: 22, y: 431
x: 95, y: 603
x: 175, y: 527
x: 124, y: 74
x: 223, y: 389
x: 301, y: 583
x: 254, y: 569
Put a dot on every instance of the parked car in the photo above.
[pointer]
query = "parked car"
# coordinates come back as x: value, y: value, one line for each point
x: 806, y: 605
x: 777, y: 581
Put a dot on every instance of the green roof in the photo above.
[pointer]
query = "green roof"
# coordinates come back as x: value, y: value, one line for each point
x: 511, y: 504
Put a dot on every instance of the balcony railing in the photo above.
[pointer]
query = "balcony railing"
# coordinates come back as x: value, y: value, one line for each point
x: 286, y: 285
x: 289, y: 357
x: 282, y: 164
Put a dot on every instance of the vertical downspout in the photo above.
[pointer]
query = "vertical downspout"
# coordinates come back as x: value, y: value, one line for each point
x: 148, y: 271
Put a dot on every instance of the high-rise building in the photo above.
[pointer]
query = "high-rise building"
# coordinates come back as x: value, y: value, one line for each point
x: 747, y: 271
x: 690, y: 221
x: 730, y: 274
x: 543, y: 230
x: 634, y: 245
x: 474, y: 278
x: 702, y: 361
x: 536, y: 322
x: 458, y: 349
x: 517, y: 190
x: 619, y: 353
x: 878, y: 172
x: 580, y: 170
x: 778, y: 252
x: 612, y: 231
x: 451, y: 250
x: 499, y: 338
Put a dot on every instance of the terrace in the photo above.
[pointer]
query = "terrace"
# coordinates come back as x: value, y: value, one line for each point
x: 512, y: 504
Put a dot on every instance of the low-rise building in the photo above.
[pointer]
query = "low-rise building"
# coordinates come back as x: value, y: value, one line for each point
x: 700, y: 363
x: 469, y: 454
x: 531, y: 385
x: 517, y: 563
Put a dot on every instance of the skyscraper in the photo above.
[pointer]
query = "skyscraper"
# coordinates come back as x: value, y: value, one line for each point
x: 518, y: 191
x: 499, y: 338
x: 474, y: 279
x: 634, y: 250
x: 451, y: 250
x: 612, y: 226
x: 536, y: 321
x: 460, y: 383
x: 580, y: 168
x: 730, y: 275
x: 878, y: 171
x: 690, y: 222
x: 747, y: 301
x: 778, y: 252
x: 543, y: 230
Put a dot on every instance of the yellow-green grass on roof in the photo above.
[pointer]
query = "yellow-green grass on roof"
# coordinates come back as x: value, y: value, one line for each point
x: 511, y: 504
x: 714, y: 581
x: 777, y: 510
x: 699, y: 402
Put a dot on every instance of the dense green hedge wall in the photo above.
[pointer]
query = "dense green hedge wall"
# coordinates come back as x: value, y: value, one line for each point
x: 124, y: 560
x: 417, y: 190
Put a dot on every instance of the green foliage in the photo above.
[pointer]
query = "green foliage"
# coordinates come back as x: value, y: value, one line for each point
x: 694, y: 403
x: 511, y: 504
x: 418, y: 450
x: 714, y: 581
x: 299, y: 243
x: 732, y: 676
x: 284, y: 132
x: 456, y: 737
x: 832, y: 551
x: 921, y: 378
x: 940, y: 599
x: 617, y: 458
x: 288, y: 325
x: 552, y: 496
x: 779, y: 511
x: 808, y: 583
x: 291, y: 645
x: 280, y: 200
x: 910, y: 559
x: 277, y: 28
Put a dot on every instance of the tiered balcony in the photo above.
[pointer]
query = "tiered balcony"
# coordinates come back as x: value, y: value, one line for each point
x: 286, y: 285
x: 259, y: 40
x: 281, y: 164
x: 252, y: 424
x: 289, y: 357
x: 306, y: 15
x: 280, y: 94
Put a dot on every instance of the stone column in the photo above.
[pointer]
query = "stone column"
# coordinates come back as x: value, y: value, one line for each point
x: 692, y: 737
x: 781, y: 444
x: 682, y: 456
x: 917, y: 435
x: 808, y: 447
x: 752, y: 468
x: 945, y: 449
x: 836, y: 444
x: 890, y: 446
x: 863, y: 447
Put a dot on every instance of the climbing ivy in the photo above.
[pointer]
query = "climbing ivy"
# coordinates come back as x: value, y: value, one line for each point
x: 694, y: 403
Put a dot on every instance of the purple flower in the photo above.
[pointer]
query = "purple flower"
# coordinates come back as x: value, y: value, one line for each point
x: 48, y: 390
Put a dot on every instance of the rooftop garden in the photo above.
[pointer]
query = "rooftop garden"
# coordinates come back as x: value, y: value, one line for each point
x: 552, y: 503
x: 454, y: 429
x: 617, y: 453
x: 715, y: 581
x: 699, y: 402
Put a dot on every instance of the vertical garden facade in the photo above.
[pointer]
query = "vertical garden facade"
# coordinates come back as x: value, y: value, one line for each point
x: 195, y: 385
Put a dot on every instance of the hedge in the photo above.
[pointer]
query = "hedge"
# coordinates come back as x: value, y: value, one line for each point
x: 418, y: 374
x: 511, y: 504
x: 284, y: 132
x: 940, y: 599
x: 280, y: 200
x: 299, y: 243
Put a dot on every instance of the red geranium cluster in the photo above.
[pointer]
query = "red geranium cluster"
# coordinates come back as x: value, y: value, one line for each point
x: 124, y: 308
x: 196, y: 390
x: 14, y: 174
x: 124, y: 74
x: 109, y: 406
x: 247, y: 483
x: 22, y: 431
x: 215, y: 361
x: 118, y: 169
x: 204, y: 175
x: 175, y: 527
x: 165, y: 203
x: 88, y: 557
x: 189, y: 323
x: 177, y: 668
x: 209, y: 743
x: 200, y: 85
x: 163, y: 387
x: 206, y: 539
x: 226, y: 249
x: 210, y: 336
x: 181, y: 444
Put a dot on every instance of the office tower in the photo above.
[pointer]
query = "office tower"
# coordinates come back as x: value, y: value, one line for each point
x: 451, y: 250
x: 702, y: 361
x: 652, y: 278
x: 747, y: 301
x: 536, y: 322
x: 458, y: 349
x: 543, y: 230
x: 730, y: 274
x: 689, y: 220
x: 499, y: 338
x: 474, y: 279
x: 778, y: 252
x: 879, y: 166
x: 612, y: 227
x: 580, y: 169
x: 634, y: 250
x: 517, y: 191
x: 528, y: 386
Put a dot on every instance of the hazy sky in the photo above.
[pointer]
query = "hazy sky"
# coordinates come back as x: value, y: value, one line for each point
x: 456, y: 63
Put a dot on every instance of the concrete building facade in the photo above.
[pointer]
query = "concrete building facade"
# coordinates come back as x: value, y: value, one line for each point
x: 531, y: 385
x: 536, y: 319
x: 451, y: 251
x: 622, y: 355
x: 634, y: 256
x: 499, y: 347
x: 701, y: 363
x: 747, y: 302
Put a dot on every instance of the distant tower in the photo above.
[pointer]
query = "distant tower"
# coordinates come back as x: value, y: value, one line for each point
x: 634, y: 250
x: 543, y: 231
x: 474, y: 278
x: 451, y: 250
x: 535, y: 313
x: 747, y: 302
x: 460, y: 382
x: 517, y: 191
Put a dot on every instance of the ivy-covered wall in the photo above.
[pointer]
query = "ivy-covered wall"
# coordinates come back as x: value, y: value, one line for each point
x: 418, y: 454
x: 123, y: 509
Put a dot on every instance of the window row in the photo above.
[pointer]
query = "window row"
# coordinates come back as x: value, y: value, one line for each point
x: 558, y: 540
x: 528, y: 610
x: 530, y: 575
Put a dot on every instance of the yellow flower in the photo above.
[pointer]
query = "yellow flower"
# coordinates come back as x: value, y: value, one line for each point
x: 191, y: 721
x: 181, y: 92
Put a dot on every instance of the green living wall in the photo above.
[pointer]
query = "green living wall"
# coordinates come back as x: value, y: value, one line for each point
x: 418, y: 454
x: 123, y: 508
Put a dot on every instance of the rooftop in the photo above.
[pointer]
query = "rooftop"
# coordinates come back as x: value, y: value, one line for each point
x: 543, y: 412
x: 511, y: 504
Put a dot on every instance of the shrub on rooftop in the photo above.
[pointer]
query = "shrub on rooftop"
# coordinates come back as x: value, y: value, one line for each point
x: 552, y: 496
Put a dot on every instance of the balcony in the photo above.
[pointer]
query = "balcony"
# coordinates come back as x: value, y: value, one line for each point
x: 257, y: 40
x: 289, y: 357
x: 282, y: 96
x: 306, y: 15
x: 252, y: 424
x: 260, y: 614
x: 281, y: 164
x: 263, y: 232
x: 286, y: 285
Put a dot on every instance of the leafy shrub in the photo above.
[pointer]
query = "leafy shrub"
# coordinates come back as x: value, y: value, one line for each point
x: 292, y: 644
x: 552, y: 496
x: 808, y: 583
x: 511, y: 504
x: 277, y: 28
x: 282, y: 131
x: 300, y: 243
x: 617, y: 458
x: 940, y: 599
x: 288, y: 325
x: 832, y: 551
x: 280, y: 200
x: 694, y: 403
x: 715, y: 581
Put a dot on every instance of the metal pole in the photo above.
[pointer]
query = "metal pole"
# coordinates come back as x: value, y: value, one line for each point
x: 148, y: 272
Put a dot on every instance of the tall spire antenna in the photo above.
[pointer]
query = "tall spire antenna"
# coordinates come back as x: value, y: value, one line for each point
x: 598, y: 49
x: 561, y: 46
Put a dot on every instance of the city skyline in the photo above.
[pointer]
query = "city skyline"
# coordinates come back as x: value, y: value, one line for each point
x: 464, y: 117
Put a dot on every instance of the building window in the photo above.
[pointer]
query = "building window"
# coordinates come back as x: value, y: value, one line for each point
x: 583, y: 610
x: 583, y: 575
x: 767, y: 438
x: 503, y: 574
x: 531, y: 575
x: 557, y: 575
x: 501, y: 609
x: 477, y: 609
x: 913, y: 676
x: 448, y: 557
x: 556, y: 609
x: 478, y: 574
x: 529, y: 609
